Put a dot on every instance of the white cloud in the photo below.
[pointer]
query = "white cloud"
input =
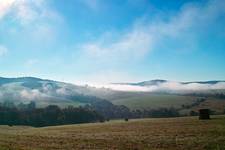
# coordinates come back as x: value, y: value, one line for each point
x: 62, y: 91
x: 170, y: 86
x: 5, y: 6
x: 31, y: 94
x: 145, y: 36
x: 130, y: 45
x: 176, y: 86
x: 118, y: 87
x: 3, y: 50
x: 36, y: 20
x: 27, y: 11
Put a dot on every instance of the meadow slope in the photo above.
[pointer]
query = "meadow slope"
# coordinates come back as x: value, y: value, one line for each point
x: 135, y: 100
x: 174, y: 133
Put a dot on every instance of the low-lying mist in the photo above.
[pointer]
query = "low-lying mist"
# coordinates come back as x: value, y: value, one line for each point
x: 169, y: 86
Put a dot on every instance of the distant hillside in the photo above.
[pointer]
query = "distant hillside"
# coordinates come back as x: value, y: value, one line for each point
x: 174, y: 87
x: 143, y: 95
x: 27, y: 89
x: 159, y: 81
x: 49, y: 92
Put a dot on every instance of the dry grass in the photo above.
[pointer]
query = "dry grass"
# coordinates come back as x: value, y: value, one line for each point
x: 175, y: 133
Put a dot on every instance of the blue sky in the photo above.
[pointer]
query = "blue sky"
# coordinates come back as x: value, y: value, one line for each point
x: 100, y: 41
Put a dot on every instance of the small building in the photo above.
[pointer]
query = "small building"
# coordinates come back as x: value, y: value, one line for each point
x: 204, y: 114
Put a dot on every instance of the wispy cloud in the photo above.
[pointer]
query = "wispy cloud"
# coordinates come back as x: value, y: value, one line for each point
x: 133, y: 44
x: 170, y: 86
x: 183, y: 28
x: 36, y: 20
x: 31, y: 94
x: 5, y: 6
x: 26, y: 11
x: 20, y: 9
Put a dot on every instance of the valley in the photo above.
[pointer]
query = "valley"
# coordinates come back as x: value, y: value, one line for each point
x: 182, y: 96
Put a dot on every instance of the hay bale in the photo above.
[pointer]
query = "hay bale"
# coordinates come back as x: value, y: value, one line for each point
x: 204, y: 114
x: 102, y: 120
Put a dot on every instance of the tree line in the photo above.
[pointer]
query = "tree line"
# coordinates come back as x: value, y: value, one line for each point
x: 28, y: 114
x: 48, y: 116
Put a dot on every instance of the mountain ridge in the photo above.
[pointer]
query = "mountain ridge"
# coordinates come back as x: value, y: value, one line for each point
x: 141, y: 83
x: 147, y: 93
x: 159, y: 81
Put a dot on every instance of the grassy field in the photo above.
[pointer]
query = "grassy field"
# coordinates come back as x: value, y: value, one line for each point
x: 146, y: 100
x: 154, y: 101
x: 173, y: 134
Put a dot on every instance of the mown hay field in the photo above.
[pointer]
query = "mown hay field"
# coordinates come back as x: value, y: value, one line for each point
x: 173, y: 133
